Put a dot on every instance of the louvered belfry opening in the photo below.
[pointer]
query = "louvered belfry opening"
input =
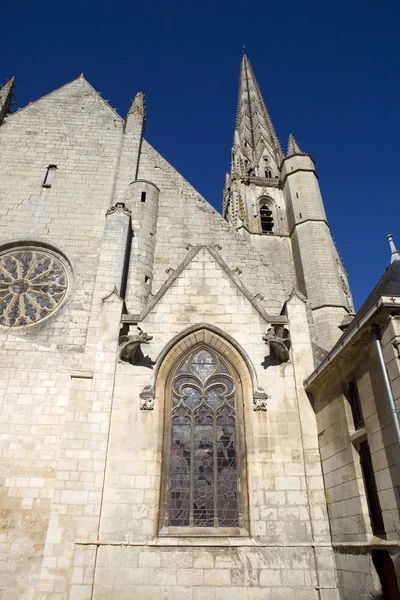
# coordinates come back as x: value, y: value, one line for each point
x: 267, y: 219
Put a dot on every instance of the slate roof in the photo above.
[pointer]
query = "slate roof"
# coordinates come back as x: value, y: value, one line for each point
x: 388, y: 285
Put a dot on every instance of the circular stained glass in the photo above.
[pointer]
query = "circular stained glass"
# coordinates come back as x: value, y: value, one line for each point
x: 33, y: 283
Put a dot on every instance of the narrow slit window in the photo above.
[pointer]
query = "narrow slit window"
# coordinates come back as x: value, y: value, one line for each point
x: 143, y: 197
x: 355, y: 405
x: 48, y: 178
x: 371, y: 490
x: 267, y: 219
x: 268, y: 173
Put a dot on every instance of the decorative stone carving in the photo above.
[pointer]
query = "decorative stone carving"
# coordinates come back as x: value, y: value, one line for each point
x: 147, y: 398
x: 278, y: 339
x: 33, y: 284
x: 119, y: 206
x: 260, y: 399
x: 130, y: 344
x: 396, y: 344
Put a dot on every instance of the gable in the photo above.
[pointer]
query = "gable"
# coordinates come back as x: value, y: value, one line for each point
x: 204, y: 290
x: 75, y: 101
x: 186, y: 219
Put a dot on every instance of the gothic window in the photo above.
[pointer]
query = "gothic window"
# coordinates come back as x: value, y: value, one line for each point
x: 266, y: 218
x: 268, y: 173
x: 33, y: 283
x: 202, y: 445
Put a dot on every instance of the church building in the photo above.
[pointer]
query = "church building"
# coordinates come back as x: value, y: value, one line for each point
x: 176, y: 411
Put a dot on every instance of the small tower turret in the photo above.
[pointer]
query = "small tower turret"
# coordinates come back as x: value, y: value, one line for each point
x: 319, y: 271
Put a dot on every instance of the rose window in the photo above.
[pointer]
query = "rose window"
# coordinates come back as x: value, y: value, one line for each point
x: 32, y: 285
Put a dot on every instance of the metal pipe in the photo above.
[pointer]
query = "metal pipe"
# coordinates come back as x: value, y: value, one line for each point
x: 377, y: 333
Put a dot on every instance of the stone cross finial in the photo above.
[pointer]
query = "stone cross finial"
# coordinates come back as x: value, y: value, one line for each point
x: 395, y: 254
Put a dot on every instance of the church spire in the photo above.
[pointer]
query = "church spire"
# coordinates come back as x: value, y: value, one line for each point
x: 293, y: 147
x: 254, y: 128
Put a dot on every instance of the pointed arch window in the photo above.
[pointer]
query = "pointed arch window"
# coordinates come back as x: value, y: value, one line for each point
x: 203, y: 447
x: 266, y: 218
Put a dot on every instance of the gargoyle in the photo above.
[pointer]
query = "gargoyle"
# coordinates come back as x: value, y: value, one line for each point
x: 130, y: 344
x: 278, y: 339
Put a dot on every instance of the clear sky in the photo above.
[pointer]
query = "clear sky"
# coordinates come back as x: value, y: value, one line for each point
x: 329, y: 73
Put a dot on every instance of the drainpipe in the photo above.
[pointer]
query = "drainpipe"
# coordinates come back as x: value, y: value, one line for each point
x: 377, y: 333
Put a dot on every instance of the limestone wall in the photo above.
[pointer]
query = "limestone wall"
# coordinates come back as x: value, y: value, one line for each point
x: 73, y: 129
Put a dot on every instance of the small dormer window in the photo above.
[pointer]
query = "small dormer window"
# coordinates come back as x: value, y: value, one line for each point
x: 267, y: 219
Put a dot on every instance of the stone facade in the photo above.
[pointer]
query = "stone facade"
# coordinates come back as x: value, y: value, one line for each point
x: 151, y: 271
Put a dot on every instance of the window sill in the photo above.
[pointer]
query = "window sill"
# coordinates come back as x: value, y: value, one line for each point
x: 357, y: 436
x: 203, y: 532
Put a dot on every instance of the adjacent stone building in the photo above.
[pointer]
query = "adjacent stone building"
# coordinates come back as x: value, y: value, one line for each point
x: 356, y: 396
x: 156, y: 438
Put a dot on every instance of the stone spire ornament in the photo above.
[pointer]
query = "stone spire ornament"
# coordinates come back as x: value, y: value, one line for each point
x: 6, y: 96
x: 138, y: 105
x: 293, y: 147
x: 395, y: 255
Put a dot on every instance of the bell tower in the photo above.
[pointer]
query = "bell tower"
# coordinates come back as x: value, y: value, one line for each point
x: 275, y: 202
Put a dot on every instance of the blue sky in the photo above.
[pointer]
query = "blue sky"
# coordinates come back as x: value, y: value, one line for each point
x: 329, y: 73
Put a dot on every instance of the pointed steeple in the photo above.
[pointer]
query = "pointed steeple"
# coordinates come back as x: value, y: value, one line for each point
x: 253, y: 122
x: 395, y: 255
x: 293, y: 147
x: 6, y: 96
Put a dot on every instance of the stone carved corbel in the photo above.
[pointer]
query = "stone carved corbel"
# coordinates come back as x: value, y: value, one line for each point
x: 119, y: 206
x: 260, y: 399
x: 147, y: 398
x: 130, y: 344
x: 278, y: 339
x: 396, y: 344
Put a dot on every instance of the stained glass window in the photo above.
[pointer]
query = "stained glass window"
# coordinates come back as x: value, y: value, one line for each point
x: 202, y: 487
x: 33, y: 283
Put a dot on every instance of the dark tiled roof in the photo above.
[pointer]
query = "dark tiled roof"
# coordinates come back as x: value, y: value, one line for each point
x: 388, y: 285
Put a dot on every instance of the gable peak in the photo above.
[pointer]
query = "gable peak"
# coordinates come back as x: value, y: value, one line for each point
x: 81, y: 79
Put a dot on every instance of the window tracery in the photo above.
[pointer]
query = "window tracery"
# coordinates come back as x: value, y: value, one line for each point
x: 202, y: 487
x: 33, y: 283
